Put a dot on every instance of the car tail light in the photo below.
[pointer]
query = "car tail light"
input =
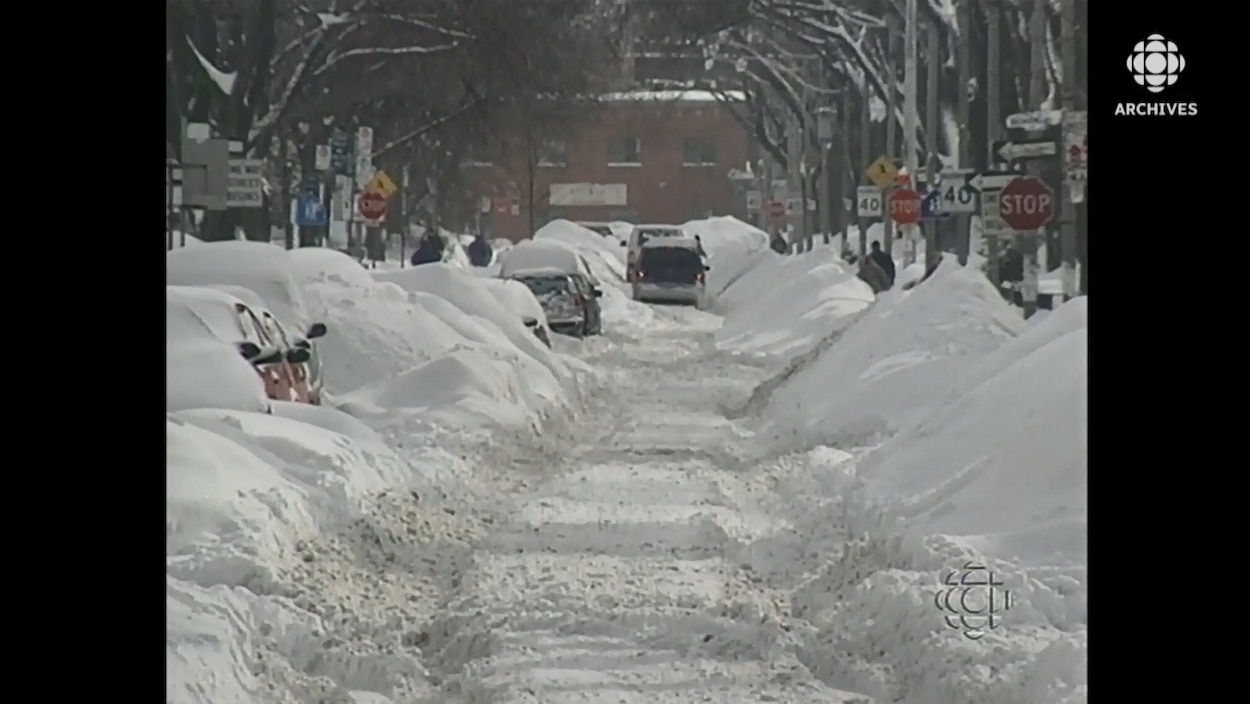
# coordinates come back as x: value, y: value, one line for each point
x: 638, y: 274
x: 699, y: 277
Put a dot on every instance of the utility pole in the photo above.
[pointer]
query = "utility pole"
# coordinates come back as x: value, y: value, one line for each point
x: 846, y: 169
x: 891, y: 116
x: 910, y: 113
x: 993, y: 117
x: 1072, y: 190
x: 963, y: 18
x: 794, y: 179
x: 865, y: 158
x: 932, y: 129
x: 1037, y: 88
x: 824, y: 129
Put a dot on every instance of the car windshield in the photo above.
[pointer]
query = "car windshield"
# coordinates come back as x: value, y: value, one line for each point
x: 543, y: 285
x: 670, y: 258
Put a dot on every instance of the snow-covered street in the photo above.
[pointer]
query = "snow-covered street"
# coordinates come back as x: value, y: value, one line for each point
x: 751, y: 503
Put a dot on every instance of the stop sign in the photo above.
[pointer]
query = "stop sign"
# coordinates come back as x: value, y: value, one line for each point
x: 905, y: 206
x: 1026, y: 204
x: 372, y: 206
x: 776, y: 208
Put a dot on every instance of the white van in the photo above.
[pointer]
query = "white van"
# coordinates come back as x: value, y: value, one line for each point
x: 640, y: 235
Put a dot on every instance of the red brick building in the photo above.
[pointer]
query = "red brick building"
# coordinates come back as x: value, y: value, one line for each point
x: 646, y: 156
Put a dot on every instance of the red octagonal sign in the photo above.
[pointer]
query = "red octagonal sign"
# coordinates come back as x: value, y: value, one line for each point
x: 905, y: 206
x: 372, y: 206
x: 1026, y: 204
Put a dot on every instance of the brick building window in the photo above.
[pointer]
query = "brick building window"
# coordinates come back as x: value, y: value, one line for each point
x: 697, y: 151
x: 625, y: 151
x: 553, y: 152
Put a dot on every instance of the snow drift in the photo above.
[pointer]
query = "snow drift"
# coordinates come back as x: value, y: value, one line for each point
x: 603, y: 254
x: 962, y: 436
x: 819, y: 298
x: 996, y: 477
x: 911, y: 349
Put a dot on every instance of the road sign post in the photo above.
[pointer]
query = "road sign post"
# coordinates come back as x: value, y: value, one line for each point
x: 932, y: 207
x: 904, y: 206
x: 1026, y: 204
x: 246, y: 187
x: 1026, y: 149
x: 869, y: 203
x: 882, y: 171
x: 372, y: 207
x: 988, y: 185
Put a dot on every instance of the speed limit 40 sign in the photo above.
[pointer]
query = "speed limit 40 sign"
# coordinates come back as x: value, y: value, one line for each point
x: 869, y: 202
x: 958, y: 197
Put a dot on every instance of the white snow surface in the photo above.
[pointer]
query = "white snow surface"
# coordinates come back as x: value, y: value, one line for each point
x: 755, y: 503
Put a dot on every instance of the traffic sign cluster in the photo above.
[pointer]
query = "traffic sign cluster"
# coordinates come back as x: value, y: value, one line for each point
x: 1007, y: 201
x: 337, y: 164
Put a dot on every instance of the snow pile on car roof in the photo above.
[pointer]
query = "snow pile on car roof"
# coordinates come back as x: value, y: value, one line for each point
x: 604, y: 254
x: 259, y: 266
x: 203, y: 366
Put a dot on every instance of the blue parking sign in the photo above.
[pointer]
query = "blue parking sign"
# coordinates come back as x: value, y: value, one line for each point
x: 310, y: 211
x: 931, y: 206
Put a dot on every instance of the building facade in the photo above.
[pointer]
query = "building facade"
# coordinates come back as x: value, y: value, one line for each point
x: 646, y: 156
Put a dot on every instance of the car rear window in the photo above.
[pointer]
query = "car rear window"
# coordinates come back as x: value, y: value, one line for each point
x: 543, y: 285
x: 646, y: 234
x: 670, y: 258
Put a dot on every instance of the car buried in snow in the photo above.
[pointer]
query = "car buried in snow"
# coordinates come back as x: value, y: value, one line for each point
x: 198, y: 319
x: 570, y: 303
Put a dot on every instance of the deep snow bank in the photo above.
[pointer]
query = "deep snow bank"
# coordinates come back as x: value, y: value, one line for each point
x: 730, y: 245
x: 996, y: 476
x: 246, y: 494
x: 967, y: 432
x: 784, y: 305
x: 395, y: 336
x: 905, y: 353
x: 497, y: 371
x: 260, y: 267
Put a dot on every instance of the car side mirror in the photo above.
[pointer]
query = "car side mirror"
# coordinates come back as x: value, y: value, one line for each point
x: 257, y: 354
x: 624, y: 244
x: 530, y: 321
x: 597, y: 293
x: 316, y: 330
x: 249, y: 350
x: 298, y: 355
x: 706, y: 267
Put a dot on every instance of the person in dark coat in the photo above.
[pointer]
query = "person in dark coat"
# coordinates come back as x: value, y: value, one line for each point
x: 779, y: 244
x: 429, y: 251
x: 883, y: 260
x: 480, y: 252
x: 698, y: 245
x: 873, y: 275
